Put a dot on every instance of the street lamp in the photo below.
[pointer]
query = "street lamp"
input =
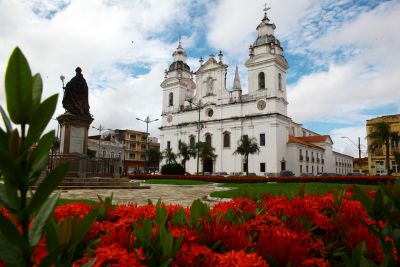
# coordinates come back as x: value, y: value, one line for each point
x: 358, y: 146
x: 199, y: 106
x: 100, y: 129
x: 147, y: 121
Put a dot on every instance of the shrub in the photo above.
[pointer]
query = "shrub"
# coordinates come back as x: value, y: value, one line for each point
x: 172, y: 168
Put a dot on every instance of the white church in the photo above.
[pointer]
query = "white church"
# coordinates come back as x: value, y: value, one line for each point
x: 225, y: 115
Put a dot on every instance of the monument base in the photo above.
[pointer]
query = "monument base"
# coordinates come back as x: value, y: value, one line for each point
x: 74, y: 133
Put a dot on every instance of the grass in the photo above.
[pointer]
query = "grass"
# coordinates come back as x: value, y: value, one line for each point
x: 286, y: 189
x: 175, y: 182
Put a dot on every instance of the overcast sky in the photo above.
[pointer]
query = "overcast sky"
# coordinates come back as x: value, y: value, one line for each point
x: 343, y: 55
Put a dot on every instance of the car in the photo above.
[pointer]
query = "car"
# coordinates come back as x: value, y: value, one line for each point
x: 224, y: 174
x: 286, y: 173
x: 355, y: 174
x: 269, y: 174
x: 251, y: 174
x: 328, y: 174
x: 307, y: 174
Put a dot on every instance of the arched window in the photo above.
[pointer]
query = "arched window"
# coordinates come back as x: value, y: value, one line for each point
x: 227, y: 139
x: 112, y: 154
x: 104, y: 153
x: 192, y: 141
x: 261, y: 80
x: 208, y: 138
x: 280, y: 81
x: 171, y: 99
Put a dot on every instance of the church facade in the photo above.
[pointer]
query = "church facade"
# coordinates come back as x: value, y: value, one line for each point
x: 197, y: 106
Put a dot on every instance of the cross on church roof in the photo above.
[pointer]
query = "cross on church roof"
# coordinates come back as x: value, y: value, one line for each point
x: 266, y: 9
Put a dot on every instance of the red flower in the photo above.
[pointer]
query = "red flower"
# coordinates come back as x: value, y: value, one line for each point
x: 241, y: 259
x: 195, y: 255
x: 354, y: 236
x: 284, y: 246
x: 80, y: 209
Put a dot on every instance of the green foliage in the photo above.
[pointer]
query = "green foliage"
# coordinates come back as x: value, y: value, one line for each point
x: 169, y: 155
x: 105, y: 207
x: 247, y: 146
x: 160, y: 247
x: 384, y: 208
x: 23, y: 156
x: 185, y: 153
x: 172, y: 168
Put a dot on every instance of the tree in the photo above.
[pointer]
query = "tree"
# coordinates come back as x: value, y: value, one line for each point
x: 185, y: 152
x: 247, y: 146
x: 153, y: 156
x: 381, y: 135
x: 206, y: 152
x: 170, y: 157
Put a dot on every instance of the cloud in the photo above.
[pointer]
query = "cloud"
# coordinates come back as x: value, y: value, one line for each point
x: 346, y: 140
x: 109, y: 40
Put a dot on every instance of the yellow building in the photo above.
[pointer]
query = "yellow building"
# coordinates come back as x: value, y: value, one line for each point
x: 376, y: 159
x: 135, y: 143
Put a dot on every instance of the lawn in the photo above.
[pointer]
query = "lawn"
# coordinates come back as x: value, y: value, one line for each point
x: 175, y: 182
x: 286, y: 189
x: 63, y: 201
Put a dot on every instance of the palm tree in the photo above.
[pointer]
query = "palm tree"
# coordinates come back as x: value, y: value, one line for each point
x: 381, y: 135
x: 185, y: 152
x: 169, y: 156
x: 206, y: 152
x: 247, y: 146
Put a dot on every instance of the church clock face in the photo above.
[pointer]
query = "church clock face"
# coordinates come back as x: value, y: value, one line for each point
x: 261, y: 105
x: 169, y: 118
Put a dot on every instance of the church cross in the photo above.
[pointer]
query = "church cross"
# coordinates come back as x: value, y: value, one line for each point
x: 266, y: 9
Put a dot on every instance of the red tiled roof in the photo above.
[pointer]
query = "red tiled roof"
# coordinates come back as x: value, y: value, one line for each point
x: 300, y: 140
x: 314, y: 138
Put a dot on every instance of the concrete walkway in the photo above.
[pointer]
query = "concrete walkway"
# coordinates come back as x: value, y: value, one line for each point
x: 170, y: 194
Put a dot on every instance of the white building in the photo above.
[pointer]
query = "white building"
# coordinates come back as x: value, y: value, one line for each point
x: 225, y: 115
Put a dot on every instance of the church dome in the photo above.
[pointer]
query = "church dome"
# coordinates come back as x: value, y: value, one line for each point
x: 265, y: 39
x: 176, y: 65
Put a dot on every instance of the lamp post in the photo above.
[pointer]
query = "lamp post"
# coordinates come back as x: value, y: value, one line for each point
x: 147, y: 121
x: 199, y: 106
x: 358, y: 146
x: 100, y: 129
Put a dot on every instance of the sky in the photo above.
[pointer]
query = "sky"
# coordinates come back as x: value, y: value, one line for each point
x: 343, y: 55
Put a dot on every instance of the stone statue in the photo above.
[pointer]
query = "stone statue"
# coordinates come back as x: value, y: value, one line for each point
x: 75, y: 100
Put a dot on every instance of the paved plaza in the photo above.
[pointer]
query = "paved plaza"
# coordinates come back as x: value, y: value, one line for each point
x: 170, y: 194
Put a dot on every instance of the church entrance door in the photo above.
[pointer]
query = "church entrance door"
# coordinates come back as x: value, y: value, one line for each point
x: 208, y: 166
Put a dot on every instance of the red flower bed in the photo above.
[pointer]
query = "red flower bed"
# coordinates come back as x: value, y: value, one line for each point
x: 276, y: 231
x: 372, y: 180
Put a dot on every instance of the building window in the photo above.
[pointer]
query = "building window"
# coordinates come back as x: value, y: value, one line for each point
x: 262, y: 167
x: 227, y: 140
x: 208, y: 139
x: 171, y: 99
x: 119, y: 155
x: 300, y: 154
x: 192, y: 141
x: 301, y: 169
x: 312, y: 169
x: 380, y: 167
x: 262, y: 139
x: 168, y: 144
x: 112, y: 154
x: 280, y: 81
x: 261, y: 80
x: 104, y: 153
x: 395, y: 167
x: 307, y: 168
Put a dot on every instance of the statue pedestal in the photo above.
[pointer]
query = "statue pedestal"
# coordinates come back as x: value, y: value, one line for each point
x: 74, y: 133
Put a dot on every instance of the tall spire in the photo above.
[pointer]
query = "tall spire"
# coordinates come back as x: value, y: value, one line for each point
x: 236, y: 81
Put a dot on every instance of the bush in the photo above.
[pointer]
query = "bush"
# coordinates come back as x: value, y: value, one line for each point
x: 172, y: 168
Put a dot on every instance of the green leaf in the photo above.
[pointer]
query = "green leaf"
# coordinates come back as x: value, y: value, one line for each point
x: 37, y: 85
x: 47, y: 186
x: 18, y: 85
x: 83, y: 227
x: 52, y: 239
x: 10, y: 254
x: 364, y: 199
x: 90, y: 263
x: 11, y: 233
x: 161, y: 215
x: 7, y: 122
x: 198, y: 210
x: 40, y: 119
x: 52, y: 256
x: 35, y: 233
x: 14, y: 145
x: 40, y: 155
x: 4, y: 200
